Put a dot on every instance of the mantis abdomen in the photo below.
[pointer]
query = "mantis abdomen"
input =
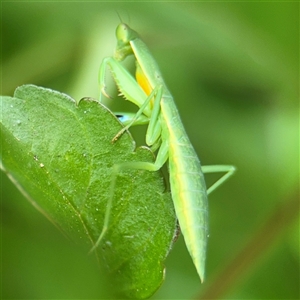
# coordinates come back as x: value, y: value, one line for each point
x: 187, y: 187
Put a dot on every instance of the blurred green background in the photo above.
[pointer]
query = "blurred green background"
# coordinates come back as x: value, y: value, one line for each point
x: 233, y: 69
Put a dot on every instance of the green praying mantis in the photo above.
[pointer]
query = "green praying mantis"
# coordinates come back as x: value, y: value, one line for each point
x: 166, y: 134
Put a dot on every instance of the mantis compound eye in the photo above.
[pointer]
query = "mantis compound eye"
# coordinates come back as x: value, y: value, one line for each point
x: 122, y: 33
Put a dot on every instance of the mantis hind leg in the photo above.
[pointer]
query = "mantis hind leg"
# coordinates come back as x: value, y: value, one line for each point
x: 161, y: 158
x: 229, y: 171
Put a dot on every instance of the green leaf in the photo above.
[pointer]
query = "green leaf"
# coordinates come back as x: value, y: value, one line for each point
x: 60, y: 156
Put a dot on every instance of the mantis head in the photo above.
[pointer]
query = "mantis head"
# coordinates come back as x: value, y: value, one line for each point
x: 124, y: 35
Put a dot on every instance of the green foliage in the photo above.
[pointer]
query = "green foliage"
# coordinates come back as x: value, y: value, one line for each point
x: 60, y: 155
